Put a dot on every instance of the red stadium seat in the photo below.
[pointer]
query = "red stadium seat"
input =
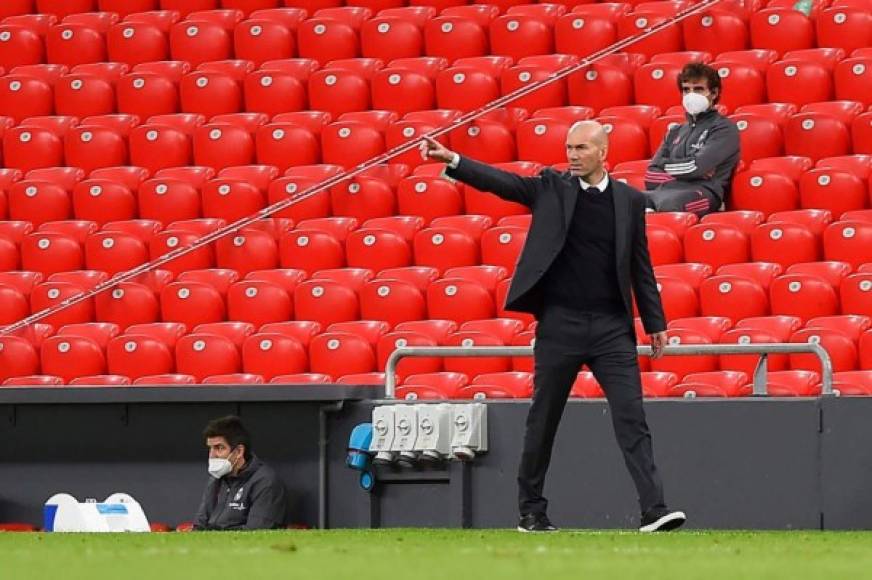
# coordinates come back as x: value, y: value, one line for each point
x: 582, y: 35
x: 445, y: 248
x: 833, y: 190
x: 39, y: 202
x: 459, y: 300
x: 784, y: 243
x: 734, y: 297
x: 338, y: 91
x: 479, y: 365
x: 72, y: 44
x: 693, y: 274
x: 747, y: 363
x: 745, y: 220
x: 199, y: 41
x: 684, y: 365
x: 849, y: 241
x: 852, y: 383
x: 830, y: 136
x: 49, y: 294
x: 520, y: 35
x: 656, y: 84
x: 49, y: 253
x: 832, y: 272
x: 147, y: 94
x: 715, y: 31
x: 711, y: 326
x: 402, y: 90
x: 628, y: 140
x: 270, y: 354
x: 487, y: 141
x: 601, y: 86
x: 428, y: 197
x: 34, y: 381
x: 192, y: 303
x: 759, y: 137
x: 781, y: 327
x: 781, y: 30
x: 844, y: 27
x: 855, y: 294
x: 678, y: 297
x: 715, y: 384
x: 853, y: 80
x: 764, y: 191
x: 816, y: 220
x: 20, y: 46
x: 203, y: 355
x: 841, y: 348
x: 311, y: 250
x: 668, y: 40
x: 784, y: 77
x: 803, y: 296
x: 221, y: 145
x: 664, y: 245
x: 454, y: 37
x: 542, y: 141
x: 136, y: 42
x: 325, y: 302
x: 261, y: 39
x: 716, y: 245
x: 377, y: 249
x: 93, y: 147
x: 391, y: 37
x: 341, y: 353
x: 113, y: 252
x: 326, y: 39
x: 861, y: 133
x: 501, y: 246
x: 210, y: 94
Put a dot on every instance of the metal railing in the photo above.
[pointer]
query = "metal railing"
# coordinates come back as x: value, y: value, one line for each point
x: 759, y: 379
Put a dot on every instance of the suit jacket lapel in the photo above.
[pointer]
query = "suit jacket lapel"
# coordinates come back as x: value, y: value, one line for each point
x: 622, y: 215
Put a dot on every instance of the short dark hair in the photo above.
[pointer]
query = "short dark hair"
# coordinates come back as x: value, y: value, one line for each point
x: 698, y: 70
x: 232, y: 430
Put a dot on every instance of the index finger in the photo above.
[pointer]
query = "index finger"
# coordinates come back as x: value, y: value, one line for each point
x: 430, y: 140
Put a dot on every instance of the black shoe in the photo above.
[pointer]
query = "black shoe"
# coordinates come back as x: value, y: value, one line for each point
x: 535, y: 523
x: 662, y: 520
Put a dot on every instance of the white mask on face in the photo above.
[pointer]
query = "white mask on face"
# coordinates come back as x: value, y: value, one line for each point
x: 694, y: 103
x: 220, y: 466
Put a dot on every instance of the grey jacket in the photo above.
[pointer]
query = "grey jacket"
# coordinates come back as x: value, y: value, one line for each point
x: 702, y: 152
x: 252, y: 500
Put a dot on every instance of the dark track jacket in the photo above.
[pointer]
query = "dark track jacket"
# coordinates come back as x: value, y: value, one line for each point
x: 701, y: 153
x: 551, y: 197
x: 252, y: 500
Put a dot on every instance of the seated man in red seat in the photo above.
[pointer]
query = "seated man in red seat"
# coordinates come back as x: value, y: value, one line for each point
x: 694, y: 166
x: 243, y: 492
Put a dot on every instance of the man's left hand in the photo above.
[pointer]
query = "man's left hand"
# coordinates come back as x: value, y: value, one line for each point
x: 658, y: 343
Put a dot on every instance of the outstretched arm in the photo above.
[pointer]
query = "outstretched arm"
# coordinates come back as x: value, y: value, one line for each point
x: 504, y: 184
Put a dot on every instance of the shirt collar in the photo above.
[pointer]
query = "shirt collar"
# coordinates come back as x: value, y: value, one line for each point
x: 602, y: 185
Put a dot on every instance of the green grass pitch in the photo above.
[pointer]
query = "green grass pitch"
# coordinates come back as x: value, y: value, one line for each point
x: 436, y: 554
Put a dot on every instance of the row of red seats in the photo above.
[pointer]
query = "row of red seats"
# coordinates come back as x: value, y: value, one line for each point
x: 355, y: 348
x: 459, y: 31
x: 421, y: 83
x: 820, y: 131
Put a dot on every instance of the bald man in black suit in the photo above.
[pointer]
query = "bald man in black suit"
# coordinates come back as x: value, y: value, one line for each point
x: 585, y: 257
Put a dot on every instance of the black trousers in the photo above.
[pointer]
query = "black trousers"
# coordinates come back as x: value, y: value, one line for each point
x: 565, y: 340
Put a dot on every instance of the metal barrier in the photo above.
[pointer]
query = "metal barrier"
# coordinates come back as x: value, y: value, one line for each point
x: 759, y: 381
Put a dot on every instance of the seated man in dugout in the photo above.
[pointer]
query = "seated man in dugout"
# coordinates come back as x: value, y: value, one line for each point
x: 243, y: 493
x: 694, y: 166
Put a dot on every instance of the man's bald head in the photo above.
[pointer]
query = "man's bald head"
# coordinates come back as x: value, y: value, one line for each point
x: 590, y: 131
x: 587, y: 144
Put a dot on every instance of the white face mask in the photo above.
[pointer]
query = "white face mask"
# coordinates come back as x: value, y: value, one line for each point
x: 220, y: 466
x: 694, y: 103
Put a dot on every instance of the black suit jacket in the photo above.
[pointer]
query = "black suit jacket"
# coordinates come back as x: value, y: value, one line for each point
x: 551, y: 197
